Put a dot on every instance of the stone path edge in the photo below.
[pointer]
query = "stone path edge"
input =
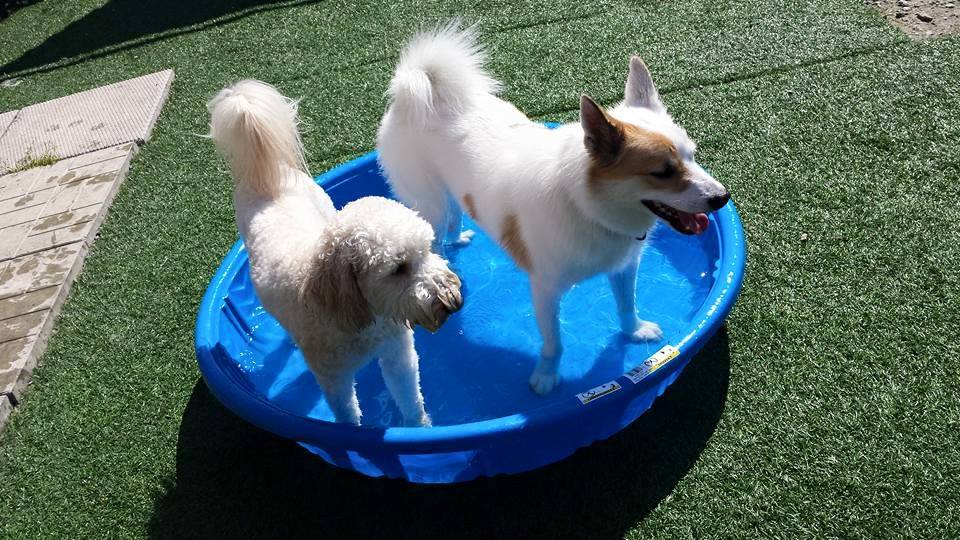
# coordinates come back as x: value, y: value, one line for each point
x: 8, y: 400
x: 12, y: 393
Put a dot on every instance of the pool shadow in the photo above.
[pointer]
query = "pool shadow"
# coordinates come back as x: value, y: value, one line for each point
x: 234, y: 480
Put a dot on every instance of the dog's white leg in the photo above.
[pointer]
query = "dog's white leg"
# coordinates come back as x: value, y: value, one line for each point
x: 624, y: 285
x: 419, y: 190
x: 433, y: 208
x: 400, y: 367
x: 546, y: 305
x: 342, y: 397
x: 456, y: 237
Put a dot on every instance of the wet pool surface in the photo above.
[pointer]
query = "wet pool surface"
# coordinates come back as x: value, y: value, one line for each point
x: 476, y: 367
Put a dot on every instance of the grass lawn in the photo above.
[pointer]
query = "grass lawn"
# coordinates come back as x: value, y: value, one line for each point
x: 830, y: 406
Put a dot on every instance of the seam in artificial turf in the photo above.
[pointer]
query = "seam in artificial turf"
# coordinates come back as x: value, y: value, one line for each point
x: 758, y: 74
x: 341, y: 157
x: 777, y: 70
x: 547, y: 22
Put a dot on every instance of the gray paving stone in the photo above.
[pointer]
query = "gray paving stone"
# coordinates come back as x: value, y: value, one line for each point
x: 64, y: 219
x: 93, y: 183
x: 27, y: 200
x: 20, y: 215
x: 65, y: 228
x: 39, y: 270
x: 22, y: 183
x: 62, y: 199
x: 97, y: 189
x: 19, y: 184
x: 17, y: 364
x: 16, y: 184
x: 100, y: 118
x: 11, y: 238
x: 6, y: 409
x: 37, y: 300
x: 22, y: 326
x: 32, y: 289
x: 49, y: 215
x: 100, y: 156
x: 47, y: 220
x: 60, y: 203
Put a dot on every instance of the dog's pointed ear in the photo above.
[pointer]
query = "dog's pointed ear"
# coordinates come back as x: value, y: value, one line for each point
x: 640, y: 90
x: 601, y: 134
x: 333, y: 289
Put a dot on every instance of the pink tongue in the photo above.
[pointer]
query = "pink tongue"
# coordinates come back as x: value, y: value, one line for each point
x: 702, y: 222
x: 695, y: 223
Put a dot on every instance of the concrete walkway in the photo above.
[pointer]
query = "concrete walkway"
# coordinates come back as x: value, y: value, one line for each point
x: 49, y: 215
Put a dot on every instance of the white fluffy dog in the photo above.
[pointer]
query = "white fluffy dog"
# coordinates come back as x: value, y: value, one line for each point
x: 567, y: 203
x: 346, y: 285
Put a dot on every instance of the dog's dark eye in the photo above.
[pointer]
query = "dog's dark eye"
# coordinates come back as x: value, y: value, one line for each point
x: 666, y: 172
x: 402, y: 269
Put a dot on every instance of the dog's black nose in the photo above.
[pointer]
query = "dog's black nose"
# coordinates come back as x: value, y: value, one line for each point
x: 719, y: 201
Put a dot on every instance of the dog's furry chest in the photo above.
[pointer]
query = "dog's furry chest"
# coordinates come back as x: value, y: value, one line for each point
x: 591, y: 250
x: 336, y: 351
x: 564, y: 245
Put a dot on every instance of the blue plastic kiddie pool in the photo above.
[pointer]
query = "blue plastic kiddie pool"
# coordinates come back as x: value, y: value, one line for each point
x: 474, y: 371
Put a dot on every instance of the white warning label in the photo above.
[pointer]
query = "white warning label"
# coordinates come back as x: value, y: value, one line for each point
x: 598, y: 392
x: 653, y: 363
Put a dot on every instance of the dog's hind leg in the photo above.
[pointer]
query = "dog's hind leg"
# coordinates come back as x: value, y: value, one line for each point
x: 546, y: 304
x: 418, y: 190
x: 400, y: 367
x: 624, y: 285
x: 341, y: 396
x: 455, y: 236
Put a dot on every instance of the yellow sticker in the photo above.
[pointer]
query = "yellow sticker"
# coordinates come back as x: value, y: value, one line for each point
x: 656, y: 360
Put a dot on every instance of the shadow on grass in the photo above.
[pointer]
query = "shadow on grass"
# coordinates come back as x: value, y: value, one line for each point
x: 235, y: 481
x: 125, y: 24
x: 7, y: 7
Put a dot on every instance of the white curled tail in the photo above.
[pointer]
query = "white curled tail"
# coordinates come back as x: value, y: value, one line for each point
x: 256, y: 129
x: 439, y: 72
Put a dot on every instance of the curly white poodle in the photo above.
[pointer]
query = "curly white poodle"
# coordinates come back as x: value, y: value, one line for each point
x: 347, y: 285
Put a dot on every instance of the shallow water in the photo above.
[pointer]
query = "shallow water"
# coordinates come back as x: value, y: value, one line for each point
x: 476, y: 367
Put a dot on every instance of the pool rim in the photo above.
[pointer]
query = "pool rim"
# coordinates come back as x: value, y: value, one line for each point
x: 259, y: 411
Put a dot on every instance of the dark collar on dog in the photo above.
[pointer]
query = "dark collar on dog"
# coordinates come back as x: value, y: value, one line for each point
x: 642, y: 238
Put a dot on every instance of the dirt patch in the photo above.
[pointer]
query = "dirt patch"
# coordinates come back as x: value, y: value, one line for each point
x: 922, y: 19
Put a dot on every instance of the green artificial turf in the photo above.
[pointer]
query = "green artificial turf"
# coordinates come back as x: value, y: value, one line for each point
x: 829, y: 407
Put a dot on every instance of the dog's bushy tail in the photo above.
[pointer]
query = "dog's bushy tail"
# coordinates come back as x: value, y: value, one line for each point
x: 440, y: 71
x: 256, y: 129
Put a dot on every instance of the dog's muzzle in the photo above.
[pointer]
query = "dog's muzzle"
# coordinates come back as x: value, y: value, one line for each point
x: 447, y: 301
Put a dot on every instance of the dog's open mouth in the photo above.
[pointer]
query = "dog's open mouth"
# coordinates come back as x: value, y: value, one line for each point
x: 683, y: 222
x: 447, y: 302
x: 432, y: 324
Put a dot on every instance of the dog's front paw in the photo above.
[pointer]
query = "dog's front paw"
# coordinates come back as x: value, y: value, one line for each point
x: 464, y: 238
x: 544, y: 383
x: 647, y: 331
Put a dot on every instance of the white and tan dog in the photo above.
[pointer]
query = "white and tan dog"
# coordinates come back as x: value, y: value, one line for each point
x: 346, y: 285
x: 567, y: 203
